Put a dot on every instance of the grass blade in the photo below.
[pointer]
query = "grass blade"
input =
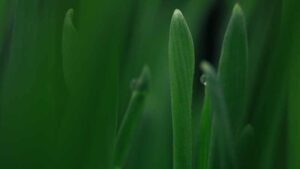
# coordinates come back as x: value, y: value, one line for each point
x: 233, y: 68
x: 223, y: 147
x: 181, y: 62
x: 71, y: 62
x: 88, y: 128
x: 205, y: 133
x: 132, y: 117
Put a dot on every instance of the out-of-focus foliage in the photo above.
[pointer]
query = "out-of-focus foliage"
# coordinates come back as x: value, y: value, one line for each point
x: 66, y: 66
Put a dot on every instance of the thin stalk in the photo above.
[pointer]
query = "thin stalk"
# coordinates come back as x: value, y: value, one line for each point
x: 131, y: 118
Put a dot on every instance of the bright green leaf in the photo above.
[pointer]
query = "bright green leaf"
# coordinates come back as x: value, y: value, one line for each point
x: 205, y: 133
x: 181, y: 64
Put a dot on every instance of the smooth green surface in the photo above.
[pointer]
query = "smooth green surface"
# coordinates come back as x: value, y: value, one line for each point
x: 291, y: 25
x: 31, y: 94
x: 245, y: 147
x: 181, y: 64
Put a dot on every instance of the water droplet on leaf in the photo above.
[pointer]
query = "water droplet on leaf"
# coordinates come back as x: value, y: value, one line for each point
x: 203, y: 80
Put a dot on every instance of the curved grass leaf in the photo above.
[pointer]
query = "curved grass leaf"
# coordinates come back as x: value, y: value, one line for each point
x: 233, y: 68
x: 132, y: 117
x: 222, y: 143
x: 181, y: 64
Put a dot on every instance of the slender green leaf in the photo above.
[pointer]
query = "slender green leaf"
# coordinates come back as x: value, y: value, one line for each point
x: 222, y: 150
x: 71, y: 62
x: 267, y: 94
x: 181, y: 64
x: 233, y: 68
x: 205, y: 133
x: 132, y: 117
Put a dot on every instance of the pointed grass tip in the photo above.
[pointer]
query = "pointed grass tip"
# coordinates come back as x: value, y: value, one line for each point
x: 206, y: 67
x: 249, y: 128
x: 177, y: 14
x: 69, y: 17
x: 142, y: 83
x: 237, y: 9
x: 70, y: 13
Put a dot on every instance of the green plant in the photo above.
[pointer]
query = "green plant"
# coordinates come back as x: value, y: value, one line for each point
x: 228, y: 107
x: 66, y: 65
x: 132, y: 117
x: 182, y: 61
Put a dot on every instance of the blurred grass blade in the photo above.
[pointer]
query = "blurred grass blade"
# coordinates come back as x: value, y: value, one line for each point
x: 181, y: 63
x: 31, y: 95
x: 245, y: 147
x: 222, y: 143
x: 205, y: 133
x: 233, y: 68
x: 88, y: 128
x: 291, y: 37
x: 132, y: 117
x: 69, y: 43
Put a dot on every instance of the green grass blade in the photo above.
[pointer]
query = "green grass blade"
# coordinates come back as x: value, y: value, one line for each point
x: 268, y: 84
x: 222, y: 143
x: 233, y: 68
x: 205, y: 134
x: 181, y: 62
x: 132, y: 117
x: 88, y: 128
x: 70, y: 60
